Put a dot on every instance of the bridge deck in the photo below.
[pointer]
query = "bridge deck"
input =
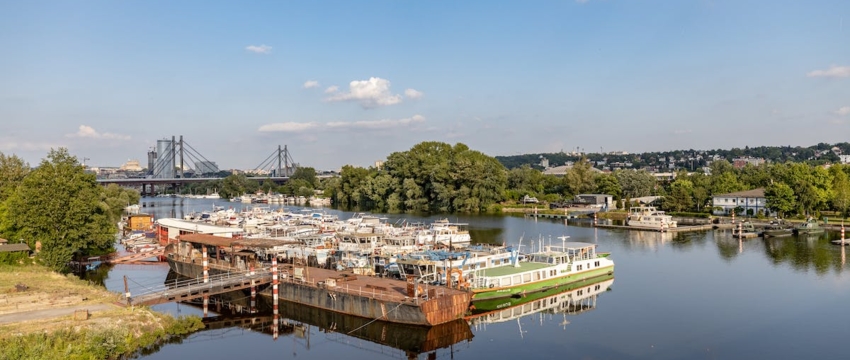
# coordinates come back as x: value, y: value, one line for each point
x: 138, y: 256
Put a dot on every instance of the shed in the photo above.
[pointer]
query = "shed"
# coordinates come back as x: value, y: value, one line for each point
x: 14, y: 247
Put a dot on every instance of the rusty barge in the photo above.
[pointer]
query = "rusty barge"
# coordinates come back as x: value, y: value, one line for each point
x: 397, y: 301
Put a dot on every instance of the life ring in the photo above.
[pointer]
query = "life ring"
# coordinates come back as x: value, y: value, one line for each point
x: 492, y: 285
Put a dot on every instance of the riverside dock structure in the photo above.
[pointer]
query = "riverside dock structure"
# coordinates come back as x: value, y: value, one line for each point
x: 198, y: 288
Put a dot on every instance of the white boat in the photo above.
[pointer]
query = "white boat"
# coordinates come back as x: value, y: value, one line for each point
x: 648, y: 217
x: 443, y: 232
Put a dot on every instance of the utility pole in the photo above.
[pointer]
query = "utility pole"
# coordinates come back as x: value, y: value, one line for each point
x: 84, y: 161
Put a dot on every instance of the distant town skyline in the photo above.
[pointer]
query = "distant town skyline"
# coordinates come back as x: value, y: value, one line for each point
x: 343, y: 82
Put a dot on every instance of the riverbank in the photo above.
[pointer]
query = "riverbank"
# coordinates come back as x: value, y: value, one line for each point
x: 45, y: 315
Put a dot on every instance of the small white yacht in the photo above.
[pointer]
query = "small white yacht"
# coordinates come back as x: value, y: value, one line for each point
x: 648, y: 217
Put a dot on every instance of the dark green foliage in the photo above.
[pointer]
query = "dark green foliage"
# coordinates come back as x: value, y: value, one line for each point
x: 430, y: 176
x: 60, y: 206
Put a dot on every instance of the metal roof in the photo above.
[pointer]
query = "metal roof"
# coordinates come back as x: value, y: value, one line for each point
x: 14, y: 247
x: 755, y: 193
x: 213, y: 240
x: 197, y: 227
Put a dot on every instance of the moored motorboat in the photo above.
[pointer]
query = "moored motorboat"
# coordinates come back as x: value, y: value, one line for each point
x: 810, y: 227
x: 648, y: 217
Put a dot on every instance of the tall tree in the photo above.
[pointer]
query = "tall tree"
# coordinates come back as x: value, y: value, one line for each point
x: 307, y: 174
x: 608, y: 184
x: 635, y: 183
x: 579, y: 178
x: 680, y: 197
x: 779, y: 198
x: 840, y: 189
x: 12, y: 172
x: 58, y: 205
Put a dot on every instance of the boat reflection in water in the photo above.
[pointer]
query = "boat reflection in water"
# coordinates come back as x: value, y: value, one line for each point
x: 302, y: 322
x: 571, y: 299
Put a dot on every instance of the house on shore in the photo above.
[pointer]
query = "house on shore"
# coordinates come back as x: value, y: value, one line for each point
x: 751, y: 201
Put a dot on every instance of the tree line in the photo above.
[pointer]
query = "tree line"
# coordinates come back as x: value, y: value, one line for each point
x: 59, y: 208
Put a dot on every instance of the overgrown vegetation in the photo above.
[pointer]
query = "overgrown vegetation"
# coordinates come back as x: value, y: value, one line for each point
x: 99, y: 343
x: 58, y: 208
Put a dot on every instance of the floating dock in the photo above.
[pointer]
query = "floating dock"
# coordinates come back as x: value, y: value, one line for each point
x: 666, y: 229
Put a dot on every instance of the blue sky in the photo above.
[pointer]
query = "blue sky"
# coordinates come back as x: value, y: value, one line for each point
x: 349, y: 82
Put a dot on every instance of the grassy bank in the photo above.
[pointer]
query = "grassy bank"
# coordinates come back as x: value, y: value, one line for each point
x: 52, y: 319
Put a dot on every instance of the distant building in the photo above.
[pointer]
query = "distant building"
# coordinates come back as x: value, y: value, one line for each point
x: 562, y: 170
x: 739, y: 163
x: 845, y: 159
x: 206, y: 167
x: 602, y: 200
x: 379, y: 164
x: 664, y: 176
x: 131, y: 165
x: 748, y: 200
x: 544, y: 162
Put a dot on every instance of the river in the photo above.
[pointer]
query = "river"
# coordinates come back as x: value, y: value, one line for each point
x: 701, y: 295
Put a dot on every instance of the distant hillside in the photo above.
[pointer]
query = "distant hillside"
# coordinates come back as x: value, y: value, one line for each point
x: 685, y: 159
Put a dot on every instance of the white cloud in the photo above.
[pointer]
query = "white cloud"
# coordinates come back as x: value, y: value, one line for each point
x: 259, y: 49
x: 833, y: 71
x: 287, y: 127
x: 370, y: 93
x: 331, y: 89
x: 14, y: 144
x: 343, y: 125
x: 844, y: 110
x: 376, y: 124
x: 413, y: 94
x: 86, y: 131
x: 309, y: 84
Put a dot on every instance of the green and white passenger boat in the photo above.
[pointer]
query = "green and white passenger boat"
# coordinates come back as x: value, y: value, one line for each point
x: 551, y: 267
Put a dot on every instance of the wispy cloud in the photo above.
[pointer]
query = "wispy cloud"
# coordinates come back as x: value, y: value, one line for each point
x: 309, y: 84
x: 413, y: 94
x: 331, y: 89
x: 370, y: 93
x: 13, y: 144
x: 383, y: 124
x: 844, y: 110
x: 259, y: 49
x: 834, y: 71
x: 288, y: 127
x: 89, y: 132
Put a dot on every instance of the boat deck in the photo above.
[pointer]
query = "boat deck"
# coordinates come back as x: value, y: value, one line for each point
x: 510, y: 269
x: 363, y: 285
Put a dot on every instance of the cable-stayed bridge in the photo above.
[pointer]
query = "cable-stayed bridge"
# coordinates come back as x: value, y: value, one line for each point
x: 175, y: 162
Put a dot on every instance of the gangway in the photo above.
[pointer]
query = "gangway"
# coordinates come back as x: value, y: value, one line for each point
x: 196, y: 288
x: 136, y: 256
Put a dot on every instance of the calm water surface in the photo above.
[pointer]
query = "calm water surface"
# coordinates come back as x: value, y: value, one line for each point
x: 684, y: 296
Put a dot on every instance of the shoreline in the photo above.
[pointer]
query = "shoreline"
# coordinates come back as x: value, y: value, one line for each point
x: 61, y: 313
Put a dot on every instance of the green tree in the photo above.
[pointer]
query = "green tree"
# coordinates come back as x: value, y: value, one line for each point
x: 680, y: 198
x: 237, y: 185
x: 525, y: 180
x: 608, y: 184
x: 59, y: 206
x: 779, y: 198
x: 307, y: 174
x: 579, y: 178
x: 13, y: 170
x: 635, y: 183
x: 840, y: 188
x: 116, y: 199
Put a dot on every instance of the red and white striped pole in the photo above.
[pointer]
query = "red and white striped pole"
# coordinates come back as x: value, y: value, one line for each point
x: 253, y: 292
x: 733, y: 216
x: 206, y: 304
x: 842, y: 234
x: 740, y: 231
x: 206, y: 266
x: 275, y: 297
x: 594, y: 218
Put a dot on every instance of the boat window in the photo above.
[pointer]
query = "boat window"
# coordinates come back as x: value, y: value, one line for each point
x: 506, y: 281
x: 517, y: 279
x: 578, y: 267
x: 537, y: 275
x: 526, y: 277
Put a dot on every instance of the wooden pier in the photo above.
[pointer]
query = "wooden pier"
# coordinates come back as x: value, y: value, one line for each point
x: 196, y: 288
x: 666, y: 229
x: 136, y: 256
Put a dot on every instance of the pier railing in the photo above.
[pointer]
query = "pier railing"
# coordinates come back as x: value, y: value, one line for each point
x: 181, y: 290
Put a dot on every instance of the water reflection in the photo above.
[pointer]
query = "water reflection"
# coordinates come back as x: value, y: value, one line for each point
x: 302, y: 323
x: 806, y: 253
x: 571, y: 299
